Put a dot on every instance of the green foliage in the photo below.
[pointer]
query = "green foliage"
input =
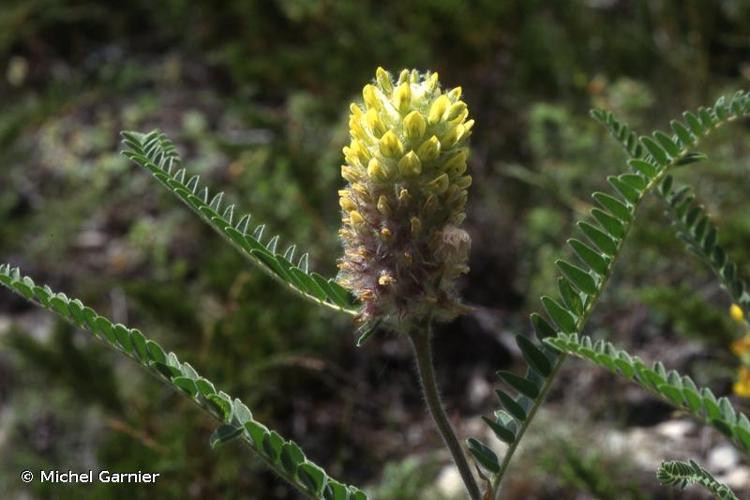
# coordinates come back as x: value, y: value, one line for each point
x: 264, y: 83
x: 682, y: 474
x: 580, y: 286
x: 672, y: 387
x: 483, y: 454
x: 606, y: 232
x: 689, y: 218
x: 282, y: 456
x: 699, y: 234
x: 156, y: 153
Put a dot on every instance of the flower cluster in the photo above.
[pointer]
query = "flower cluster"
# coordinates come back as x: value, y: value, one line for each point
x: 741, y: 348
x: 404, y: 202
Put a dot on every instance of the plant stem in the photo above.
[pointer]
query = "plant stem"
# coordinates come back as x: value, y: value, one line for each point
x: 496, y: 484
x: 420, y: 341
x: 580, y: 325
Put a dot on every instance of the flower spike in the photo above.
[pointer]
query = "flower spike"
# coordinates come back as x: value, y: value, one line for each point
x: 405, y: 199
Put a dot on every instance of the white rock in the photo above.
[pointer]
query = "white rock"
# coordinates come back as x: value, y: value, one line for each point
x: 738, y: 478
x: 615, y: 442
x: 479, y: 390
x: 675, y: 429
x: 722, y: 458
x: 449, y: 482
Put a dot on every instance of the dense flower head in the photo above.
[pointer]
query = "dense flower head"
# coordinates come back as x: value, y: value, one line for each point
x: 405, y: 199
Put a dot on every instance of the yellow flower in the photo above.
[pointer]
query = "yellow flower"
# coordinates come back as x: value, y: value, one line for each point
x: 407, y: 189
x: 742, y: 386
x: 742, y: 346
x: 737, y: 313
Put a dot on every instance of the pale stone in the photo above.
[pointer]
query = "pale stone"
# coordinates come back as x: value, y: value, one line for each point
x: 675, y: 429
x: 449, y: 482
x: 479, y: 390
x: 738, y: 478
x: 722, y: 458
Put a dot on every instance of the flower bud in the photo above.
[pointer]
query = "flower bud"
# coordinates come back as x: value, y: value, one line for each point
x: 402, y: 97
x: 410, y: 165
x: 374, y: 123
x: 463, y: 182
x: 452, y: 136
x: 356, y: 218
x: 355, y: 154
x: 437, y: 109
x: 390, y: 145
x: 439, y: 184
x: 456, y: 164
x: 356, y: 111
x: 455, y: 198
x: 384, y: 80
x: 360, y: 189
x: 346, y: 203
x: 429, y: 150
x: 370, y: 95
x: 349, y: 173
x: 431, y: 82
x: 414, y: 126
x: 356, y: 126
x: 375, y: 171
x: 383, y: 206
x: 456, y: 109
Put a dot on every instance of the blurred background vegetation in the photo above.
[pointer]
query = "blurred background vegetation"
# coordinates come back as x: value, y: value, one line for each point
x: 256, y: 94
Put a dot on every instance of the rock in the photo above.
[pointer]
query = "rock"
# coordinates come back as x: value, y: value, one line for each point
x: 722, y: 458
x: 449, y: 482
x: 738, y: 478
x: 479, y: 390
x: 675, y: 429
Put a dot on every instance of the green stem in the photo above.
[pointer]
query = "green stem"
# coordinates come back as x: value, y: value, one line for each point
x: 512, y: 448
x: 580, y: 325
x: 420, y: 341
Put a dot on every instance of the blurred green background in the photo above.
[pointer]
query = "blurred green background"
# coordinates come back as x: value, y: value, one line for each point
x: 256, y: 93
